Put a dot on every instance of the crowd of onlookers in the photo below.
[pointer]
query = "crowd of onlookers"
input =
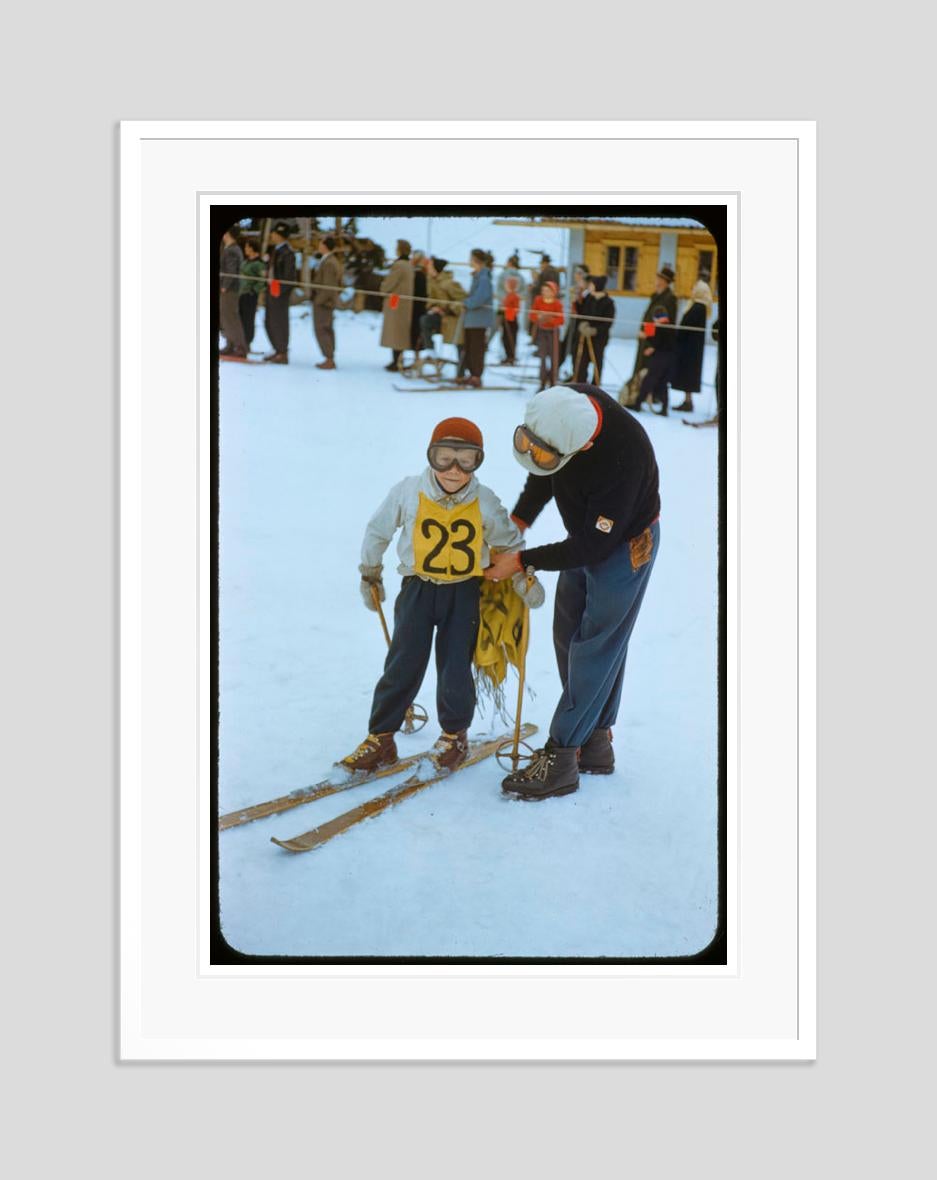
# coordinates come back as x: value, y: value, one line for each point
x: 422, y: 300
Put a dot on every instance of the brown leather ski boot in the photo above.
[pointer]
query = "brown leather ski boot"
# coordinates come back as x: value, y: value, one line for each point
x: 450, y: 750
x: 596, y: 756
x: 554, y: 770
x: 377, y: 750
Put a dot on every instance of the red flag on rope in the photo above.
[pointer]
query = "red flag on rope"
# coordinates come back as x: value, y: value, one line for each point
x: 274, y: 286
x: 393, y: 301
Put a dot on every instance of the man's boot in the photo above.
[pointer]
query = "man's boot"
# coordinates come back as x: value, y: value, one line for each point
x: 553, y: 771
x: 377, y: 750
x: 450, y: 751
x: 596, y: 756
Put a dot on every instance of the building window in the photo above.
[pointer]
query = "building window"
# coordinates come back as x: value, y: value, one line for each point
x: 629, y: 278
x: 612, y: 264
x: 705, y: 267
x: 621, y: 267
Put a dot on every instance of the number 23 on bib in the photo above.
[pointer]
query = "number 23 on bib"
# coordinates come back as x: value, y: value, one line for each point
x: 447, y: 544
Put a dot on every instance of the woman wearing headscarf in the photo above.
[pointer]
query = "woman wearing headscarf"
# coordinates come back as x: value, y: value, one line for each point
x: 688, y: 352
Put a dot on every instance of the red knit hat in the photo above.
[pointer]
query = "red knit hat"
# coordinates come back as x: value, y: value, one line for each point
x: 458, y: 428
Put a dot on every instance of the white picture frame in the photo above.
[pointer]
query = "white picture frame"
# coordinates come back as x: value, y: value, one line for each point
x: 762, y: 1004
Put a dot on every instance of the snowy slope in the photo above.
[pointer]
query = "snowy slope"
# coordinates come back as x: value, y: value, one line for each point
x: 624, y: 867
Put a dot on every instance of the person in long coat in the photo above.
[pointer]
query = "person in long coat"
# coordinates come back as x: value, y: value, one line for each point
x: 233, y: 330
x: 398, y: 281
x: 443, y: 313
x: 281, y: 275
x: 599, y: 310
x: 686, y: 375
x: 418, y: 303
x: 662, y: 307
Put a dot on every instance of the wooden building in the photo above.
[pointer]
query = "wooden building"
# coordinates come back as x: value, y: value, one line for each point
x: 630, y: 252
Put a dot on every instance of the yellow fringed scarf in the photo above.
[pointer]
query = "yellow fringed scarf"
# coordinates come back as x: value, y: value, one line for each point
x: 500, y: 634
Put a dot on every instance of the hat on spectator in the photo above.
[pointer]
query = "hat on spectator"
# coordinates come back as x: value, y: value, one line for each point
x: 599, y: 282
x: 283, y: 229
x: 666, y: 272
x: 439, y: 264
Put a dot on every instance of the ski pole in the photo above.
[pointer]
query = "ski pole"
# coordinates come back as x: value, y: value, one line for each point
x: 582, y: 341
x: 416, y: 716
x: 597, y: 376
x: 515, y: 754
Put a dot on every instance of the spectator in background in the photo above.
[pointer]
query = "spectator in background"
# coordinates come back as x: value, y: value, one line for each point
x: 546, y: 317
x: 252, y: 284
x: 691, y: 339
x: 577, y: 295
x: 397, y: 285
x: 510, y: 312
x: 479, y: 317
x: 661, y: 309
x: 546, y: 274
x: 443, y: 311
x: 418, y: 304
x: 281, y: 275
x: 231, y: 327
x: 325, y: 299
x: 510, y: 274
x: 598, y: 308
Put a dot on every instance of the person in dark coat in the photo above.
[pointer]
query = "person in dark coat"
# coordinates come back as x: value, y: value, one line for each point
x: 231, y: 258
x: 691, y: 340
x: 663, y: 297
x: 418, y: 304
x: 281, y: 274
x: 598, y: 308
x: 585, y: 451
x: 656, y: 343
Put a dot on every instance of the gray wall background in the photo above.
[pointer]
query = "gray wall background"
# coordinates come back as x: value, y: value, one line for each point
x: 70, y: 73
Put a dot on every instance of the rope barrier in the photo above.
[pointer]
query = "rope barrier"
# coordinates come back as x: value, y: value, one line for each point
x: 457, y: 303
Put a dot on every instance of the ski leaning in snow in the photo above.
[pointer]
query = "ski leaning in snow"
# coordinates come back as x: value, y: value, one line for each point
x: 321, y: 790
x: 478, y: 751
x: 697, y: 425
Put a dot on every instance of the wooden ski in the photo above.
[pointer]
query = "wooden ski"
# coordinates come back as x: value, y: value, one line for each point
x: 316, y: 837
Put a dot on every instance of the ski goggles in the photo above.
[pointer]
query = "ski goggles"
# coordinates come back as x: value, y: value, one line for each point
x: 546, y: 457
x: 443, y: 456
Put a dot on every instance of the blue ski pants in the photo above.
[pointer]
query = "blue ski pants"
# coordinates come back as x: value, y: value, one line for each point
x: 595, y: 612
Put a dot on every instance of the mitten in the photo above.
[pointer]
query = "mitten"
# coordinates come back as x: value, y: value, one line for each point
x: 534, y: 594
x: 371, y: 576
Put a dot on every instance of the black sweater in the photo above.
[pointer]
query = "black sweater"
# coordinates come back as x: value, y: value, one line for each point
x: 614, y: 481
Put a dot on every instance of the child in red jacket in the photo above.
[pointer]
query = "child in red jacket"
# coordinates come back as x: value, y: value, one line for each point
x: 510, y: 310
x: 547, y: 317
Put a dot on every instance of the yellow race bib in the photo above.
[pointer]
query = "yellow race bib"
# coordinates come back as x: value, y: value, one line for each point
x: 447, y: 543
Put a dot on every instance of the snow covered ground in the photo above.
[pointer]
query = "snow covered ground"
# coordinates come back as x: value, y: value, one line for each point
x: 625, y: 867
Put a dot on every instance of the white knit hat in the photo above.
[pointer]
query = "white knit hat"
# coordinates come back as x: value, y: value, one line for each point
x: 562, y: 417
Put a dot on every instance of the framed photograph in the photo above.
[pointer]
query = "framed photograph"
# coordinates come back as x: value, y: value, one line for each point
x: 467, y: 591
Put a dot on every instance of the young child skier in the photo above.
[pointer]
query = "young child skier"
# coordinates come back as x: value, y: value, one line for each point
x: 546, y: 316
x: 451, y: 524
